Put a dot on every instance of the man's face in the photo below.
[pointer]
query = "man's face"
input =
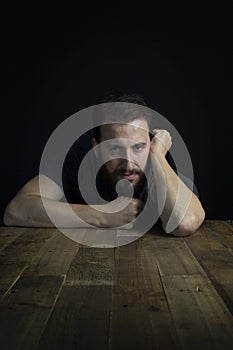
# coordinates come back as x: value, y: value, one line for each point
x: 126, y: 151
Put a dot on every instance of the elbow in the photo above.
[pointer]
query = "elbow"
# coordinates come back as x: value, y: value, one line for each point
x: 10, y: 217
x: 189, y: 225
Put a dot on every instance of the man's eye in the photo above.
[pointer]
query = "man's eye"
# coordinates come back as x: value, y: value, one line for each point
x: 139, y: 147
x: 114, y: 148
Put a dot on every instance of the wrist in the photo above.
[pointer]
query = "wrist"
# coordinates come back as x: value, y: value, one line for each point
x: 159, y: 156
x: 89, y: 214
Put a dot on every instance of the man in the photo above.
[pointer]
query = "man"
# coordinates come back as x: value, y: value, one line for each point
x: 127, y: 151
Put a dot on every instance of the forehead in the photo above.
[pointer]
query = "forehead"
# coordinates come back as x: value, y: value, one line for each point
x: 136, y: 129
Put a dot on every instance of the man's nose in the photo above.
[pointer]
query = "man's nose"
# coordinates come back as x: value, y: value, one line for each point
x: 127, y: 164
x: 127, y: 161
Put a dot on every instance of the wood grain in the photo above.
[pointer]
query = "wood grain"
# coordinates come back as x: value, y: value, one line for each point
x: 85, y: 302
x: 158, y: 292
x: 140, y: 316
x: 25, y: 310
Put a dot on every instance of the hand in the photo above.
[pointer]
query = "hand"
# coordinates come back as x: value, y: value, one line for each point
x: 120, y: 212
x: 161, y: 142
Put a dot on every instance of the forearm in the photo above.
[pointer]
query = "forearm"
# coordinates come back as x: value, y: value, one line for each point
x: 182, y: 213
x: 32, y: 213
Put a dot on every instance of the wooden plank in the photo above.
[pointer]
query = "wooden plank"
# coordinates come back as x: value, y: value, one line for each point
x: 104, y: 238
x: 19, y: 246
x: 85, y: 301
x: 93, y: 237
x: 54, y: 257
x: 25, y: 246
x: 140, y: 316
x: 127, y: 236
x: 173, y: 256
x: 201, y: 319
x: 92, y: 267
x: 221, y: 232
x: 155, y: 304
x: 9, y: 234
x: 217, y: 262
x: 221, y: 226
x: 9, y: 273
x: 25, y: 309
x: 84, y: 321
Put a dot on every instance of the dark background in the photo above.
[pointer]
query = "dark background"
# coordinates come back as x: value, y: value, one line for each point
x: 178, y: 59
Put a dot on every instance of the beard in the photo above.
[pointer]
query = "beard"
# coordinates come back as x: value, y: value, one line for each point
x: 122, y: 187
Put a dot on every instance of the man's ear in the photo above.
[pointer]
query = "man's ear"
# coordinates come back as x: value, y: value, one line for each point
x: 96, y: 149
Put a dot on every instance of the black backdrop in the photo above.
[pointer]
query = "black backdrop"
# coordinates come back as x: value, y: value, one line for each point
x: 178, y: 59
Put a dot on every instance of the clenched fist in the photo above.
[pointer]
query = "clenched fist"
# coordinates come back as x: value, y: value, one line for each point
x: 119, y: 212
x: 161, y: 142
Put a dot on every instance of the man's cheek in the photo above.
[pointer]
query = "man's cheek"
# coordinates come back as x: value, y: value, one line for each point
x: 110, y: 166
x: 144, y: 160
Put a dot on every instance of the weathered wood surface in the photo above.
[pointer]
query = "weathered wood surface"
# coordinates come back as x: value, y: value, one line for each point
x: 159, y: 292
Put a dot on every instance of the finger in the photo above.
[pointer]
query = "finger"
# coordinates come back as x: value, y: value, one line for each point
x: 162, y: 136
x: 155, y: 131
x: 139, y: 205
x: 158, y: 130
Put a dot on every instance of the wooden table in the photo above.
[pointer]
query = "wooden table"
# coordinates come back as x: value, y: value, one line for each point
x: 159, y: 292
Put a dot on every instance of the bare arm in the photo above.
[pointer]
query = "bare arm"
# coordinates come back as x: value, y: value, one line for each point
x: 27, y: 209
x: 180, y: 202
